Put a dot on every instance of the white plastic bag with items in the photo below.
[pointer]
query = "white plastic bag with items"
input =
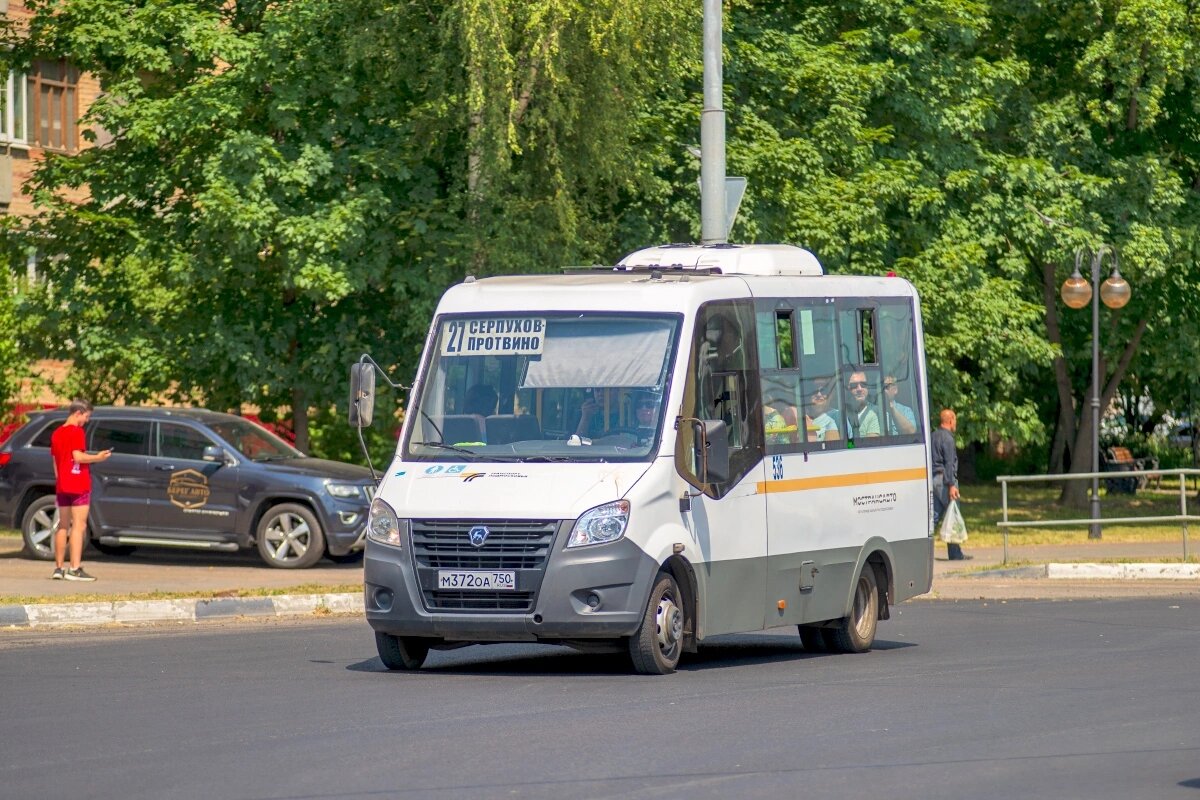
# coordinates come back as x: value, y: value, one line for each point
x: 954, y: 527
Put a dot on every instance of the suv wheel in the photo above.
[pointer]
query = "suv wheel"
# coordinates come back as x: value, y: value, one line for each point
x: 37, y: 528
x: 290, y: 537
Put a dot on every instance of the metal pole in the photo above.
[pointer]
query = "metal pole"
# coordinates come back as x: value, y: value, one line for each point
x: 1004, y: 507
x: 1183, y: 513
x: 712, y: 132
x: 1094, y: 528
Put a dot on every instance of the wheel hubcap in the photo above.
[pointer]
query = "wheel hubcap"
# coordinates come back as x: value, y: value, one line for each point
x: 41, y: 529
x: 288, y: 537
x: 668, y: 621
x: 862, y: 602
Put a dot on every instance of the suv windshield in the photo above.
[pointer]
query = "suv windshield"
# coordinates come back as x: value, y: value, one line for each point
x: 254, y: 441
x: 548, y: 387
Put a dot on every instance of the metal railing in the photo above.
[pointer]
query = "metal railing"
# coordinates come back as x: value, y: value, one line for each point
x: 1183, y: 518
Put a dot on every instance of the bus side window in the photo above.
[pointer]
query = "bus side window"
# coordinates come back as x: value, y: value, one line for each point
x: 901, y: 390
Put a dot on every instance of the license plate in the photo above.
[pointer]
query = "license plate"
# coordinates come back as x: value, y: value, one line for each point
x: 477, y: 579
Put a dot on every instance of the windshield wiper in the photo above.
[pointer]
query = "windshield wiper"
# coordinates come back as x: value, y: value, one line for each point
x: 276, y: 457
x: 549, y: 459
x: 444, y: 446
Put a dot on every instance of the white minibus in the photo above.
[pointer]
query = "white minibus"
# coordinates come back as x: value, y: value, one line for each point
x: 698, y: 441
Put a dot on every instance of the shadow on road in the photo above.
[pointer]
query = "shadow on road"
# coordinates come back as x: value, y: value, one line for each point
x: 719, y: 653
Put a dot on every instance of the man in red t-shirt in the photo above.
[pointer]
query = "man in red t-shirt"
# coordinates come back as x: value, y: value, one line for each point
x: 73, y: 487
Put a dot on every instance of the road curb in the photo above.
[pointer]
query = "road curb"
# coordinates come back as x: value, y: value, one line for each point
x: 48, y: 615
x: 1124, y: 571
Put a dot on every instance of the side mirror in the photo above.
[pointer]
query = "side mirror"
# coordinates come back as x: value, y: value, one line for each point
x: 712, y: 450
x: 362, y: 394
x: 213, y: 453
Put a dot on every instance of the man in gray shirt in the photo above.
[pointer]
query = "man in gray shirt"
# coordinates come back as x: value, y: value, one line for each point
x: 945, y: 474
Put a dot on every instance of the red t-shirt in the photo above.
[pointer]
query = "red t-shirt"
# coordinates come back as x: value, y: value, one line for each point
x: 73, y: 478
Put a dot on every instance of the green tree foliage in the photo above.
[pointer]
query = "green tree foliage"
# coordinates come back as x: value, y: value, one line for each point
x: 859, y: 127
x: 290, y: 183
x: 283, y: 185
x: 13, y: 360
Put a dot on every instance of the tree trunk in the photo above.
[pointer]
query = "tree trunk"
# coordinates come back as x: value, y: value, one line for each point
x: 1056, y: 464
x: 300, y: 419
x: 1067, y: 430
x: 1075, y: 493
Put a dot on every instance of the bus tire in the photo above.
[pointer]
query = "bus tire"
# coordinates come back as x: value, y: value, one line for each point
x: 656, y: 647
x: 401, y: 652
x: 812, y: 639
x: 856, y: 631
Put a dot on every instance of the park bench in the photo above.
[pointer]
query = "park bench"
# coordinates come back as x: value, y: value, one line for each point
x: 1120, y: 459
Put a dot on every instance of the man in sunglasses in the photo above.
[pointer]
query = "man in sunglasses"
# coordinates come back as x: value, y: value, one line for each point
x: 861, y: 419
x: 900, y: 418
x: 820, y: 418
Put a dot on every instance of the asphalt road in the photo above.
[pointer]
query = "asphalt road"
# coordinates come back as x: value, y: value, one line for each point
x: 1055, y: 699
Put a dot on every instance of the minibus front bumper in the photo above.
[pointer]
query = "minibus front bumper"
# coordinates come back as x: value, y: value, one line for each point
x: 595, y: 592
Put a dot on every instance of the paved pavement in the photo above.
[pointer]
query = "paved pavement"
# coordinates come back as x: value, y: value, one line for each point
x: 331, y: 588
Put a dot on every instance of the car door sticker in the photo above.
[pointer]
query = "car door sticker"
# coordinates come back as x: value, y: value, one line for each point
x: 188, y: 489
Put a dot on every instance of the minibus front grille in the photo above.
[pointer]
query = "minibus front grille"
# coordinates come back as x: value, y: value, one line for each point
x: 481, y: 601
x: 522, y: 546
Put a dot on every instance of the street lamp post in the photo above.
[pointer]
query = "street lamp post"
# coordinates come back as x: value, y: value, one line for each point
x: 1076, y: 293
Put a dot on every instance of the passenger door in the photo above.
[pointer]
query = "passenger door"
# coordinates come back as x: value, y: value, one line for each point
x: 828, y: 497
x: 191, y: 497
x: 727, y: 519
x: 120, y: 484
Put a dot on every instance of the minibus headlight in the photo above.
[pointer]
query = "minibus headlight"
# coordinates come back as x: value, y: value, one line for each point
x: 602, y: 524
x: 383, y: 526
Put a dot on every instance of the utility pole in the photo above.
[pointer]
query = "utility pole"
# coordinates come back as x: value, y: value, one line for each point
x: 713, y: 222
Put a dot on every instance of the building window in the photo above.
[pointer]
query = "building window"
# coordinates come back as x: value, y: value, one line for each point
x: 14, y: 110
x: 53, y: 100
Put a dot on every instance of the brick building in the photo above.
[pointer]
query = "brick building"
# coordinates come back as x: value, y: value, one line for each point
x: 39, y: 114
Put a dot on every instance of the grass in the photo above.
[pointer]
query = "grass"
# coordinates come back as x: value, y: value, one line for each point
x: 1031, y: 502
x: 307, y: 588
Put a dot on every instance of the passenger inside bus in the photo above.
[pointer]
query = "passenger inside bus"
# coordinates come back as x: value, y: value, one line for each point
x: 862, y: 421
x: 591, y: 417
x: 901, y: 418
x: 780, y: 422
x: 645, y: 411
x: 821, y: 416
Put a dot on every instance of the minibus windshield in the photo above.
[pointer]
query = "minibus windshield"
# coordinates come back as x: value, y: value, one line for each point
x: 544, y: 387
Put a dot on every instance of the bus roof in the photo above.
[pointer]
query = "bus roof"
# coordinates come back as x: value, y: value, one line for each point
x: 648, y: 292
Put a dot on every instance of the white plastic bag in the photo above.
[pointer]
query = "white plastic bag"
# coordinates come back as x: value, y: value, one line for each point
x: 954, y: 527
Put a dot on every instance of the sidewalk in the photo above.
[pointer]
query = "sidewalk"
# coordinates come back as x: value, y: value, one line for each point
x: 1065, y: 572
x: 326, y: 588
x: 334, y: 588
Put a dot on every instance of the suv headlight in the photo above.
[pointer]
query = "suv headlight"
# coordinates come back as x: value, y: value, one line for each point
x: 343, y: 489
x: 600, y: 525
x: 384, y: 527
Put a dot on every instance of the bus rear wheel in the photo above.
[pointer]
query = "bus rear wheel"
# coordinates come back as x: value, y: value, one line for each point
x: 855, y: 632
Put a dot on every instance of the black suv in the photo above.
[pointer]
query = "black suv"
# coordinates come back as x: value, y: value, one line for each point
x: 189, y: 478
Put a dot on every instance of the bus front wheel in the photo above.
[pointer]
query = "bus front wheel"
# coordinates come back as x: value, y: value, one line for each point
x: 401, y: 652
x: 656, y: 647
